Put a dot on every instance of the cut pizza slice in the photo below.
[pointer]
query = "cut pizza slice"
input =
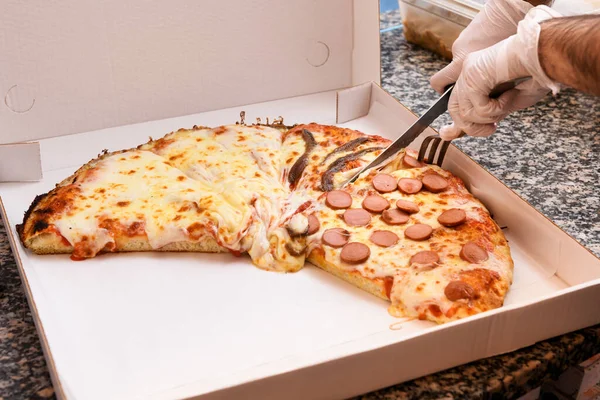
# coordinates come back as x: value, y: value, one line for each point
x: 412, y: 234
x: 193, y: 190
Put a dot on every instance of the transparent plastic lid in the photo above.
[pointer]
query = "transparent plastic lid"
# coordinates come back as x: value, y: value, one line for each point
x: 458, y: 11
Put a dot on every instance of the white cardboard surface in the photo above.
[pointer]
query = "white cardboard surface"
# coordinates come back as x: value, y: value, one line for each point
x: 178, y: 325
x: 117, y: 62
x: 76, y: 66
x: 20, y: 162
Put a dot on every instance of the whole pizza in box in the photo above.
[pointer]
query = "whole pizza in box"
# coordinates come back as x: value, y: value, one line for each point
x: 410, y: 233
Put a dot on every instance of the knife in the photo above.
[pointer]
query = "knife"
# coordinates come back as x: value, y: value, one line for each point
x: 437, y: 109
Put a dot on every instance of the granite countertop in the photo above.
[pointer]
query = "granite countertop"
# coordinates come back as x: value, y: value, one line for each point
x: 548, y: 154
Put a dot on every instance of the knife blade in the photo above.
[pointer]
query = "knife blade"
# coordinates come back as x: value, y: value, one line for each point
x: 436, y: 109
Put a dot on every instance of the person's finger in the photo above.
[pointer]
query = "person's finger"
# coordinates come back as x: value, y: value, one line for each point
x: 484, y: 110
x: 468, y: 127
x: 478, y: 130
x: 450, y: 132
x: 447, y: 75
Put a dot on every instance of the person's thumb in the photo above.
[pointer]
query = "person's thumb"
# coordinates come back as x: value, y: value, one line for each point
x: 447, y: 75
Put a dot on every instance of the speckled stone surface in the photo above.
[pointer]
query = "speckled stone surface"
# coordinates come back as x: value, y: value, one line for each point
x: 549, y: 154
x: 23, y: 371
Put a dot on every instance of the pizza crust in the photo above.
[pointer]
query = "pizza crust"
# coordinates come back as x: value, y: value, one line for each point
x: 376, y: 287
x: 49, y: 243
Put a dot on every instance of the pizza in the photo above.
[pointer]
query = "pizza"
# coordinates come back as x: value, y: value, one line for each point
x: 410, y: 233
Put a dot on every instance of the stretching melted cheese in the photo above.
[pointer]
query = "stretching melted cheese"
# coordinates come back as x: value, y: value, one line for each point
x: 226, y: 182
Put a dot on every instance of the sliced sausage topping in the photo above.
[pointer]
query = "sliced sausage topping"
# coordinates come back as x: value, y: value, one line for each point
x: 425, y: 257
x: 452, y: 217
x: 384, y: 183
x: 357, y: 217
x: 418, y: 232
x: 355, y: 253
x: 384, y: 238
x: 411, y: 162
x: 409, y: 185
x: 473, y: 253
x: 407, y: 206
x: 434, y: 183
x: 394, y: 217
x: 375, y: 203
x: 457, y: 290
x: 313, y: 224
x: 335, y: 237
x: 338, y: 199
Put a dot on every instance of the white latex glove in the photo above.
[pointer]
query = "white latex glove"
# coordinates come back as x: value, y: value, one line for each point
x: 470, y: 106
x: 495, y: 22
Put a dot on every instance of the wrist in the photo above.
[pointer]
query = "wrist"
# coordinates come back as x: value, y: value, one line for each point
x: 528, y: 45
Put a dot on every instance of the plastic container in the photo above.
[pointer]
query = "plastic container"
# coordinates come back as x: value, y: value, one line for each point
x: 435, y: 24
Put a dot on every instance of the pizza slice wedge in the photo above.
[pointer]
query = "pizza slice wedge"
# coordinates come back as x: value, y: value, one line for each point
x: 204, y: 190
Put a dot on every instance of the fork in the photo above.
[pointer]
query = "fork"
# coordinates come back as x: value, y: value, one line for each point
x: 435, y: 140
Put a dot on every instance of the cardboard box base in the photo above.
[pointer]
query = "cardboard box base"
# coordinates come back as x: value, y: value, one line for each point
x: 160, y: 326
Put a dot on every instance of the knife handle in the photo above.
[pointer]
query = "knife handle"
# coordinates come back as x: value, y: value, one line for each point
x: 500, y: 88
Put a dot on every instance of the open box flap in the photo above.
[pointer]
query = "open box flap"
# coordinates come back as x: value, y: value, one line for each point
x: 20, y: 162
x: 76, y: 67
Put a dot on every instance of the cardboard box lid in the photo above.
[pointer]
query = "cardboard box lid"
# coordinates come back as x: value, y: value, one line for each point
x: 71, y: 67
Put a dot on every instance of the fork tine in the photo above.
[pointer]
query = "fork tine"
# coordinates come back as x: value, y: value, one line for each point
x: 424, y: 146
x: 434, y: 145
x: 442, y: 153
x: 435, y: 142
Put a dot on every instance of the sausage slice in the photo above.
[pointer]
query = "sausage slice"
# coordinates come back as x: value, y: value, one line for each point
x: 355, y: 253
x: 375, y: 203
x: 338, y: 199
x: 452, y: 217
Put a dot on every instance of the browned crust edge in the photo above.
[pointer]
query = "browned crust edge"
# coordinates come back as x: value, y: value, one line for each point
x: 374, y: 286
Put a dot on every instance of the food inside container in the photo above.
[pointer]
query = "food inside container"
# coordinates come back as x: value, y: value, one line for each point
x: 435, y: 24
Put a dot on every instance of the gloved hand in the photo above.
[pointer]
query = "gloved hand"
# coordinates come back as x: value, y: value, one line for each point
x: 470, y: 106
x: 495, y: 22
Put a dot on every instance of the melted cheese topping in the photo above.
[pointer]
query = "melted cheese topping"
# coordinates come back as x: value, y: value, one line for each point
x: 225, y: 182
x: 241, y: 164
x: 138, y: 186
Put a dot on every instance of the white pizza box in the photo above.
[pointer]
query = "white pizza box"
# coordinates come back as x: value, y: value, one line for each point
x: 159, y: 326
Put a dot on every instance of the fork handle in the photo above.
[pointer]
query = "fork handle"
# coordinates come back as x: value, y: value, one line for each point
x: 498, y: 90
x: 506, y: 86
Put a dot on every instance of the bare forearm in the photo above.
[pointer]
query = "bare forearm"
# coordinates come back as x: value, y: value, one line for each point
x: 536, y: 3
x: 569, y: 51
